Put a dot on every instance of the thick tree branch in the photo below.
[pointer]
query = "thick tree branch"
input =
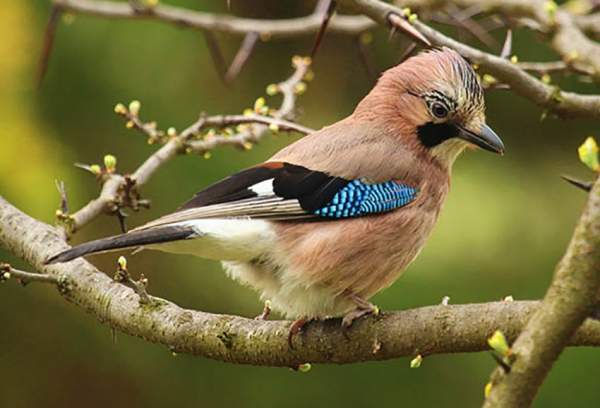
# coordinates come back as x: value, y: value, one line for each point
x: 569, y: 300
x: 427, y: 330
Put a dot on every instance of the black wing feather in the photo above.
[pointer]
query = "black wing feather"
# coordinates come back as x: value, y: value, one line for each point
x: 128, y: 240
x: 232, y: 188
x: 313, y: 189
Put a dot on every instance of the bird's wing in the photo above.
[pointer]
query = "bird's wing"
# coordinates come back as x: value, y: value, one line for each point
x: 284, y: 191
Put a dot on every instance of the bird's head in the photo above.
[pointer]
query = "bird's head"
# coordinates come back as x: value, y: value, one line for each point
x: 436, y: 101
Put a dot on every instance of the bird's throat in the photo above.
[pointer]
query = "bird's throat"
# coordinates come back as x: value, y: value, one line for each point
x: 441, y: 142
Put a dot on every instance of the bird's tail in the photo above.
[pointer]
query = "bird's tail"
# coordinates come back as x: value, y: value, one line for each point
x: 131, y: 239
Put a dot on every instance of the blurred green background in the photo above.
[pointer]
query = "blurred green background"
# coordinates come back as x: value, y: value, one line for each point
x: 504, y: 227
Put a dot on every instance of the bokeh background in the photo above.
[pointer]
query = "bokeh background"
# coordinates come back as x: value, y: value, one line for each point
x: 504, y: 227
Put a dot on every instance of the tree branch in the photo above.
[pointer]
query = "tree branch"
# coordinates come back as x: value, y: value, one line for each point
x: 569, y: 300
x: 121, y: 190
x: 426, y: 330
x: 550, y: 97
x: 268, y: 29
x: 580, y: 53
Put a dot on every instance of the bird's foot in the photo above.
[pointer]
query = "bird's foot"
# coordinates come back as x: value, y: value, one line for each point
x: 357, y: 313
x: 363, y: 308
x: 296, y: 328
x: 266, y: 311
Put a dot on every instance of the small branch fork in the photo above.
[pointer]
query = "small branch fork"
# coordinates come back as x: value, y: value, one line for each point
x: 139, y: 286
x: 207, y: 133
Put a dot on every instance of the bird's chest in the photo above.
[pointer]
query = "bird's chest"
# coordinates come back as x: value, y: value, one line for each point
x: 363, y: 254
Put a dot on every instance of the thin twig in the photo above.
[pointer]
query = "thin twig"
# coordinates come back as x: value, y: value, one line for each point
x: 453, y: 17
x: 329, y: 8
x: 216, y: 54
x: 49, y: 34
x: 139, y: 286
x: 553, y: 66
x: 242, y: 56
x: 8, y: 272
x: 507, y: 46
x: 364, y: 57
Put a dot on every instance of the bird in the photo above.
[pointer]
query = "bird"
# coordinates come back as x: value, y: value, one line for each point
x: 335, y: 217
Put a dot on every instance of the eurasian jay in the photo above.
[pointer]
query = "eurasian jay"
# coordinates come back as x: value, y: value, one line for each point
x: 335, y: 217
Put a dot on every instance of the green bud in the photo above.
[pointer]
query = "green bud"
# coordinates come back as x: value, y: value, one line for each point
x: 300, y: 88
x: 134, y: 107
x: 120, y: 109
x: 550, y: 7
x: 304, y: 368
x: 416, y: 362
x: 95, y: 169
x: 122, y: 261
x: 260, y: 106
x: 110, y: 162
x: 487, y: 389
x: 498, y: 342
x: 272, y: 89
x: 546, y: 78
x: 488, y: 80
x: 588, y: 153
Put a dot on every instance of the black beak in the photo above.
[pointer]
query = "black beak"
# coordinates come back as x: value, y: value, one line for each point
x: 486, y: 138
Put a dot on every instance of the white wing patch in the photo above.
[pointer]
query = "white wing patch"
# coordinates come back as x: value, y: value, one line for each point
x: 264, y: 188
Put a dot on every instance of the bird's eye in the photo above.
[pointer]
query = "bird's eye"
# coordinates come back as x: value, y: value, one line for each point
x: 439, y: 110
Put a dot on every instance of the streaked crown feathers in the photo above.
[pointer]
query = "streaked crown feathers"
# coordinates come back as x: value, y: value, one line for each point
x: 443, y: 76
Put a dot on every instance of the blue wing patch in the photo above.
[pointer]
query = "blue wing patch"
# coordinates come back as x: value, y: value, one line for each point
x: 358, y: 198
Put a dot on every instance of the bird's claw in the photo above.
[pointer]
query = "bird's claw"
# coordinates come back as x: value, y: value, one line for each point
x: 296, y: 328
x: 266, y: 311
x: 357, y: 313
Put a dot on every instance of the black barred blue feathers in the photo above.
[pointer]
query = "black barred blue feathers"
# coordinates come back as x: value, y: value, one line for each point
x: 358, y: 198
x: 283, y: 191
